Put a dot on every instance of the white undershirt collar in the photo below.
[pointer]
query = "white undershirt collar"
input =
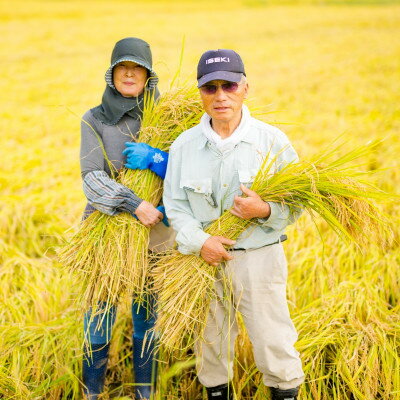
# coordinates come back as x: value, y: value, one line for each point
x: 231, y: 141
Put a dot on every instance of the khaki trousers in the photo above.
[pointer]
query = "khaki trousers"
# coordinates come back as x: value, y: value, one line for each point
x: 258, y: 281
x: 161, y: 238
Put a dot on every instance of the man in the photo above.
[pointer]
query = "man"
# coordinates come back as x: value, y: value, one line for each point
x: 210, y: 167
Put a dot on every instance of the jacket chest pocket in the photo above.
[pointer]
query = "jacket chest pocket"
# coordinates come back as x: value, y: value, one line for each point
x: 247, y: 176
x: 201, y: 199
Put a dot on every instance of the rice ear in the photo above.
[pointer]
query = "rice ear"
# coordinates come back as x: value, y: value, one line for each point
x: 325, y: 186
x: 109, y: 253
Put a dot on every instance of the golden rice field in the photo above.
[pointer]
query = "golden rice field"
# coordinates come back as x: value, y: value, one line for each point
x: 319, y: 69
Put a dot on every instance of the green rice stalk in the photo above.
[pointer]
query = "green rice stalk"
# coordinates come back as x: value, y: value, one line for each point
x: 334, y: 190
x: 110, y: 252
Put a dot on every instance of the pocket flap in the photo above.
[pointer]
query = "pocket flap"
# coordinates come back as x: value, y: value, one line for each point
x: 197, y: 185
x: 247, y: 175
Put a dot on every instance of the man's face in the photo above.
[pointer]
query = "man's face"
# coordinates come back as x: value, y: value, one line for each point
x: 225, y: 105
x: 129, y: 78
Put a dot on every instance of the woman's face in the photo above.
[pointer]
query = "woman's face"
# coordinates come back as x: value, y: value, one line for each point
x: 129, y: 78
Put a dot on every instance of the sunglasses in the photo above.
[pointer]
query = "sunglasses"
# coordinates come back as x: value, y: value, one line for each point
x: 228, y: 87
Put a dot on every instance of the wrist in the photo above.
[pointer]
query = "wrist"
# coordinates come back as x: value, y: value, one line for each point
x: 158, y: 163
x: 265, y: 211
x: 139, y: 203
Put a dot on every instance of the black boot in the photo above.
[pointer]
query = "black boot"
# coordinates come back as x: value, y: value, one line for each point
x: 94, y: 370
x: 145, y: 368
x: 284, y: 394
x: 221, y: 392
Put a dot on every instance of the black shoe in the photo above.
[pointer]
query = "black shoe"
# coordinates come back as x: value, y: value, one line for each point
x: 221, y: 392
x: 94, y: 370
x: 284, y: 394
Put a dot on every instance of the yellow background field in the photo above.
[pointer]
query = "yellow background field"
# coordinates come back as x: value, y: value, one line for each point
x: 319, y: 70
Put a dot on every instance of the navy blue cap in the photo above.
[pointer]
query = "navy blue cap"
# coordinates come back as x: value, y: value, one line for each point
x: 221, y: 64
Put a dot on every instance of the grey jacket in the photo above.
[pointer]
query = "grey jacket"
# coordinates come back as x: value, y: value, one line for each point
x: 101, y: 157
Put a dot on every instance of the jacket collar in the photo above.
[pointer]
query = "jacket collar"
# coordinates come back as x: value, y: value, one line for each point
x: 249, y: 137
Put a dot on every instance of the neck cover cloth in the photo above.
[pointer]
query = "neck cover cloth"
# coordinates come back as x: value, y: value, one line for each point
x: 113, y: 105
x: 227, y: 144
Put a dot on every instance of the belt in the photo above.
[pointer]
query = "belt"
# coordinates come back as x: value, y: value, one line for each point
x: 281, y: 239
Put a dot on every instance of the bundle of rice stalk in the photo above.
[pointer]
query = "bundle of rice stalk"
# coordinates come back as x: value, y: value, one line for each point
x: 110, y: 252
x: 351, y: 349
x: 334, y: 190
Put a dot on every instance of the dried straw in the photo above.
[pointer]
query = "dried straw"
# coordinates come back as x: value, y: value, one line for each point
x: 333, y: 190
x: 110, y: 252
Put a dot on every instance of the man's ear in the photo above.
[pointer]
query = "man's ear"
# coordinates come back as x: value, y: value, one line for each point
x: 246, y: 90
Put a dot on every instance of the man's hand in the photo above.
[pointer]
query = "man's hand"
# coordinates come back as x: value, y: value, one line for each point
x: 251, y: 206
x: 213, y: 251
x: 148, y: 215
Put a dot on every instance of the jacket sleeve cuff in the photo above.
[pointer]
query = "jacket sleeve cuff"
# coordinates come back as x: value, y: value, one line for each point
x: 107, y: 195
x: 191, y: 242
x: 130, y: 204
x: 279, y: 217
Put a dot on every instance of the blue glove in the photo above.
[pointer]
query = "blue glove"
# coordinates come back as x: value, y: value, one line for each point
x: 143, y: 156
x: 165, y: 219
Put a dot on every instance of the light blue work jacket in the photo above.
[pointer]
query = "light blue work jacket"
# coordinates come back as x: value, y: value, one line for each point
x: 201, y: 182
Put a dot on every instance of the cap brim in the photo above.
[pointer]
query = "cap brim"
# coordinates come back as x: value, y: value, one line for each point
x: 220, y: 75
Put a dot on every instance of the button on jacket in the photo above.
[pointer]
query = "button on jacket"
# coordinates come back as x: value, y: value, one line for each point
x: 202, y: 180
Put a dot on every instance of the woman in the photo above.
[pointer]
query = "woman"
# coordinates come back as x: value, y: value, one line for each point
x: 105, y: 129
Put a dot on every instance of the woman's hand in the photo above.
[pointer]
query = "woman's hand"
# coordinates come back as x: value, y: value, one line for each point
x: 148, y: 215
x: 142, y: 156
x: 138, y: 155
